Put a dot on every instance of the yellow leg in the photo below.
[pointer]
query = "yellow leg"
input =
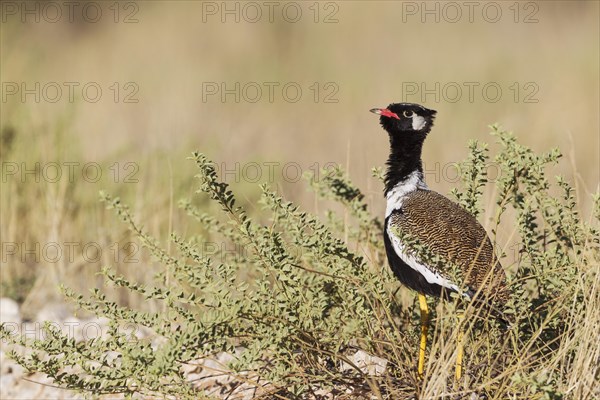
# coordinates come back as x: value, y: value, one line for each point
x: 459, y: 348
x: 424, y: 326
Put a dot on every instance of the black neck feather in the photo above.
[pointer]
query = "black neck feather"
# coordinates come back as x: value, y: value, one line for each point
x: 404, y: 159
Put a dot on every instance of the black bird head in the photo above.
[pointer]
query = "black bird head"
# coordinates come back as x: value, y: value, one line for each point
x: 407, y: 125
x: 406, y: 119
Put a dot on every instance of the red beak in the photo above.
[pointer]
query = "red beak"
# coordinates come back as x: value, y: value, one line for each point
x: 385, y: 112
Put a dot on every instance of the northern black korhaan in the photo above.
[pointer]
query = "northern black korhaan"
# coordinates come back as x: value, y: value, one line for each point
x: 421, y: 224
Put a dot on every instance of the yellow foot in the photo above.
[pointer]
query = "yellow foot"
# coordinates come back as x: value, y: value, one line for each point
x: 423, y: 344
x: 459, y: 348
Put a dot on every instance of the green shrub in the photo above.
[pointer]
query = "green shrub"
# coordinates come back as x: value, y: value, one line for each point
x: 298, y: 300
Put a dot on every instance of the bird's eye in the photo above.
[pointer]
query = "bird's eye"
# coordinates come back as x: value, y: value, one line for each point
x: 408, y: 114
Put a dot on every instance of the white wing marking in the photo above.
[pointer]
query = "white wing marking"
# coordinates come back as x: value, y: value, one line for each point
x: 396, y: 196
x: 431, y: 276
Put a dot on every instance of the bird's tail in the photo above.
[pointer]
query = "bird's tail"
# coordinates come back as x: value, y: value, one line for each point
x: 489, y: 306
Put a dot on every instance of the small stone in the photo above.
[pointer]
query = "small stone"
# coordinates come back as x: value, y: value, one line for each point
x: 368, y: 364
x: 53, y: 313
x: 9, y: 311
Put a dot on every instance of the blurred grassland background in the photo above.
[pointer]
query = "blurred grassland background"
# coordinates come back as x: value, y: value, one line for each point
x: 369, y: 53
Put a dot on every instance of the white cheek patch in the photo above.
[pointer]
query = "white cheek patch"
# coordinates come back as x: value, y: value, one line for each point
x: 418, y: 122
